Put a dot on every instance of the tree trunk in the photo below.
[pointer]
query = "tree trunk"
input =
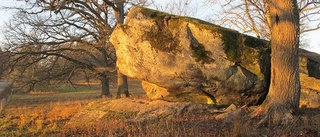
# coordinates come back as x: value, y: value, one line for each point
x: 284, y: 91
x: 121, y: 79
x: 122, y: 85
x: 105, y: 90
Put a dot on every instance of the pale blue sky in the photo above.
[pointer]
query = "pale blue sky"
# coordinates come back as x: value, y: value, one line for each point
x: 312, y: 38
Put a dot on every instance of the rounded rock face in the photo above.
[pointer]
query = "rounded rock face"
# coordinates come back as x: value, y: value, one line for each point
x: 186, y: 59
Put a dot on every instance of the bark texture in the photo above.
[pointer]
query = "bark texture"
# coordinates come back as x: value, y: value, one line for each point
x: 105, y: 90
x: 122, y: 82
x: 122, y: 85
x: 284, y: 92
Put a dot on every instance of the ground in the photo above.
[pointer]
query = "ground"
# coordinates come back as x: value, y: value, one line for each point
x: 83, y: 113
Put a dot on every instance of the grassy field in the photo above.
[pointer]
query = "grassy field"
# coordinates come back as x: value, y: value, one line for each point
x: 49, y: 114
x: 42, y: 114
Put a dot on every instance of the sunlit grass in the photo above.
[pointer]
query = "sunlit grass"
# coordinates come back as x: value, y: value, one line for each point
x: 67, y: 88
x: 48, y: 113
x: 46, y: 110
x: 42, y: 114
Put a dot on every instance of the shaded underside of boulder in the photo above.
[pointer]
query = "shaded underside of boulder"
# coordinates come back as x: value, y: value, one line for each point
x: 186, y: 59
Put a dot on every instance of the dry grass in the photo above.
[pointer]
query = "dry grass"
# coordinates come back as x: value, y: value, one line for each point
x: 41, y: 114
x: 49, y: 114
x: 45, y: 111
x: 117, y: 124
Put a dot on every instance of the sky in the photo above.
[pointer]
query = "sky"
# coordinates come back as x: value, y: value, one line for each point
x: 5, y: 14
x: 312, y: 38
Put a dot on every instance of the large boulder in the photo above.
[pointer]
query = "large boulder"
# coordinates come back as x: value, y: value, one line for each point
x: 186, y: 59
x: 309, y: 63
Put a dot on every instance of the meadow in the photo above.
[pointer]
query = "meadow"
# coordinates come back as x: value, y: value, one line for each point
x: 47, y: 113
x: 51, y: 113
x: 41, y: 114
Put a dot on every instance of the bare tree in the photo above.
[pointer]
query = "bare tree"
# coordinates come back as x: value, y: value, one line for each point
x: 77, y: 31
x: 191, y: 8
x: 249, y: 16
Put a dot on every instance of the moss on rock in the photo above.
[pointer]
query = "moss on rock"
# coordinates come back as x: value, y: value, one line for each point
x: 160, y: 36
x: 200, y: 54
x: 198, y: 51
x: 162, y: 40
